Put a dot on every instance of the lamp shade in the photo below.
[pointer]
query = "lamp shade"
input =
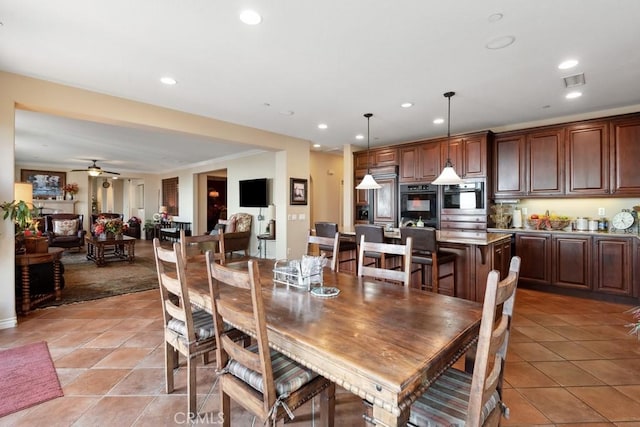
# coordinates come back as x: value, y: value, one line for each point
x: 368, y: 183
x: 271, y: 213
x: 23, y: 191
x: 448, y: 176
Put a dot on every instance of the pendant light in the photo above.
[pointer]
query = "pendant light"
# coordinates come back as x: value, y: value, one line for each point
x: 368, y: 183
x: 448, y: 176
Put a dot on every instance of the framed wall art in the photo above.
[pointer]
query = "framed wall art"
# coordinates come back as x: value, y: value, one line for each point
x: 298, y: 193
x: 46, y: 184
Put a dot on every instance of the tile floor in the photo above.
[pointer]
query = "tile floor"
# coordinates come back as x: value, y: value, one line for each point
x: 570, y: 362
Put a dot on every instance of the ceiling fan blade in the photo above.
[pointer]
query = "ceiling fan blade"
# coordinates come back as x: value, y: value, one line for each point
x: 112, y: 173
x: 79, y: 170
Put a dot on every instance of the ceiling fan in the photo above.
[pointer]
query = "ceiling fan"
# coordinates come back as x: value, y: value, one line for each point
x: 95, y: 170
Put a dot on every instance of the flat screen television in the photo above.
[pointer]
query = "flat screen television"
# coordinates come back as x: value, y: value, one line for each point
x: 253, y: 193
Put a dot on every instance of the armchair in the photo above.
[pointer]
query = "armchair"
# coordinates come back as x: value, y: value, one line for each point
x: 237, y: 232
x: 65, y: 230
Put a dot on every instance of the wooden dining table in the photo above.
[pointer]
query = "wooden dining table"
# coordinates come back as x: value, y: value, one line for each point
x: 380, y: 341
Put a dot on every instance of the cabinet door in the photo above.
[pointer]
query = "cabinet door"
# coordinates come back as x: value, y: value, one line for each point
x: 408, y: 164
x: 362, y: 196
x: 625, y: 156
x: 474, y: 150
x: 385, y: 157
x: 546, y: 164
x: 385, y: 202
x: 509, y: 159
x: 572, y: 262
x: 587, y: 159
x: 535, y: 252
x: 453, y: 150
x: 360, y: 161
x: 429, y: 161
x: 612, y: 265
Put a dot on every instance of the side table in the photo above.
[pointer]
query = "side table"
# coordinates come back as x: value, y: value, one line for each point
x: 26, y: 260
x: 262, y: 244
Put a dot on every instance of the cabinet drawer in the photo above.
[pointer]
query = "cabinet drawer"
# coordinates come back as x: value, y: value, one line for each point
x: 464, y: 218
x: 461, y: 225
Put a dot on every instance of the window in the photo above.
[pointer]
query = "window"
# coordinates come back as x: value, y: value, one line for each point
x: 170, y: 195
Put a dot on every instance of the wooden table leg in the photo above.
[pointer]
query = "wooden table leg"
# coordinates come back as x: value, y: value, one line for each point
x: 26, y: 289
x: 57, y: 278
x: 386, y: 418
x: 131, y: 252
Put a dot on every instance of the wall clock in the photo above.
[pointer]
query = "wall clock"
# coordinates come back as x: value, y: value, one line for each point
x: 622, y: 221
x: 106, y: 184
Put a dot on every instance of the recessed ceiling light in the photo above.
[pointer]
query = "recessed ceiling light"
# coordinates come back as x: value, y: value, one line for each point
x: 317, y: 145
x: 250, y: 17
x: 495, y: 17
x: 573, y: 95
x: 322, y: 126
x: 570, y: 63
x: 359, y: 136
x: 500, y: 42
x: 406, y: 104
x: 286, y: 112
x: 438, y: 121
x: 168, y: 80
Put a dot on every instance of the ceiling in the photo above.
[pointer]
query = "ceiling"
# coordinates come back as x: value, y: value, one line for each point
x: 312, y: 62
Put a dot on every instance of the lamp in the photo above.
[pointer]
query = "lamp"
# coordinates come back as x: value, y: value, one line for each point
x: 448, y: 176
x: 368, y: 183
x: 23, y: 191
x: 94, y: 170
x: 214, y: 194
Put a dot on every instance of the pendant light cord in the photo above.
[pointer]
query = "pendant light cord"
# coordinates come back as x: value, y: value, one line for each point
x: 368, y: 116
x: 448, y: 95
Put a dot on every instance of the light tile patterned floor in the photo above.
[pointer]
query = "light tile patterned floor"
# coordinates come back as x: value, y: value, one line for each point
x: 570, y: 362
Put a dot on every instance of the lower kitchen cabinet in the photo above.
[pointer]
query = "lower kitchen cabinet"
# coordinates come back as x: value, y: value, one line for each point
x: 592, y: 264
x: 613, y: 265
x: 534, y: 250
x: 571, y: 265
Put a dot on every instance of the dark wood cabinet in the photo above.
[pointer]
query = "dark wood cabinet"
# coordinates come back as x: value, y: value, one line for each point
x: 587, y: 159
x: 377, y: 157
x: 571, y: 265
x: 468, y: 153
x: 613, y: 265
x: 625, y: 156
x: 509, y: 173
x: 545, y: 149
x: 362, y: 196
x: 385, y: 201
x: 420, y: 163
x: 534, y: 249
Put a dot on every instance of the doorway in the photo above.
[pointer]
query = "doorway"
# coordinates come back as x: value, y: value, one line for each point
x: 216, y: 200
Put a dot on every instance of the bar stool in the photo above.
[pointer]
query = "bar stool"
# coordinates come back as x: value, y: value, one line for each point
x: 329, y: 229
x: 425, y: 253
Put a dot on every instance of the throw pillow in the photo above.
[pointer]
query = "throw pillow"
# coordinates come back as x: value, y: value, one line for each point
x: 231, y: 225
x: 65, y: 227
x: 243, y: 223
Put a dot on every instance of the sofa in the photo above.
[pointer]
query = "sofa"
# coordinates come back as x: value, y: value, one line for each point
x: 237, y: 232
x: 65, y: 230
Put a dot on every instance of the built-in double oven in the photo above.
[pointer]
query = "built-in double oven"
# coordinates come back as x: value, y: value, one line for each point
x: 419, y: 202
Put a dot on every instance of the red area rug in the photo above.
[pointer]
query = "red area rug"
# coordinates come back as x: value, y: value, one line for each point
x: 27, y: 377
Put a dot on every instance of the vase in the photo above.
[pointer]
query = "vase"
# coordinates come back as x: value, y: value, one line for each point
x: 110, y: 235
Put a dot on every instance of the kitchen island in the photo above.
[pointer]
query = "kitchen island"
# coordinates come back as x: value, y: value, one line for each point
x: 477, y: 254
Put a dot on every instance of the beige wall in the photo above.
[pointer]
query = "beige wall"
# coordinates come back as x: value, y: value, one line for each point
x: 326, y: 188
x: 290, y: 157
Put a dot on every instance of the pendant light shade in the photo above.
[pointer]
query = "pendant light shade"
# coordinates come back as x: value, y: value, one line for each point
x: 368, y: 183
x: 448, y: 176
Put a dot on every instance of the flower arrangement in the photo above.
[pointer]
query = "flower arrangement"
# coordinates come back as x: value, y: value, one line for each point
x: 71, y: 188
x: 109, y: 225
x: 635, y: 326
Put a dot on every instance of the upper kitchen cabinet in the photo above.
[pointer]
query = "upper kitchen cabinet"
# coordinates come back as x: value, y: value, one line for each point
x: 587, y: 159
x: 529, y: 164
x: 625, y: 156
x: 468, y: 153
x: 378, y: 158
x: 420, y: 162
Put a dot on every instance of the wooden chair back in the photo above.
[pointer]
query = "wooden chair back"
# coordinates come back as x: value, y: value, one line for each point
x: 488, y: 371
x: 324, y: 243
x: 173, y: 286
x: 193, y: 248
x: 402, y: 275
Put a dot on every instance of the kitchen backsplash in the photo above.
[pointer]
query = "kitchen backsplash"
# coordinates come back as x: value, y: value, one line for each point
x: 577, y: 207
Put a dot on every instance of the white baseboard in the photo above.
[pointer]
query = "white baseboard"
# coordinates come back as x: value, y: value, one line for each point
x: 11, y: 322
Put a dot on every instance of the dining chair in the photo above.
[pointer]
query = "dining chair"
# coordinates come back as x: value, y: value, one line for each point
x: 324, y: 244
x: 263, y: 381
x: 329, y: 229
x: 402, y: 275
x: 427, y: 254
x: 475, y: 399
x: 194, y: 247
x: 374, y: 234
x: 186, y: 331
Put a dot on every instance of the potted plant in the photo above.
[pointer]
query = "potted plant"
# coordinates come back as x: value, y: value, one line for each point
x: 635, y: 326
x: 148, y: 227
x: 20, y: 213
